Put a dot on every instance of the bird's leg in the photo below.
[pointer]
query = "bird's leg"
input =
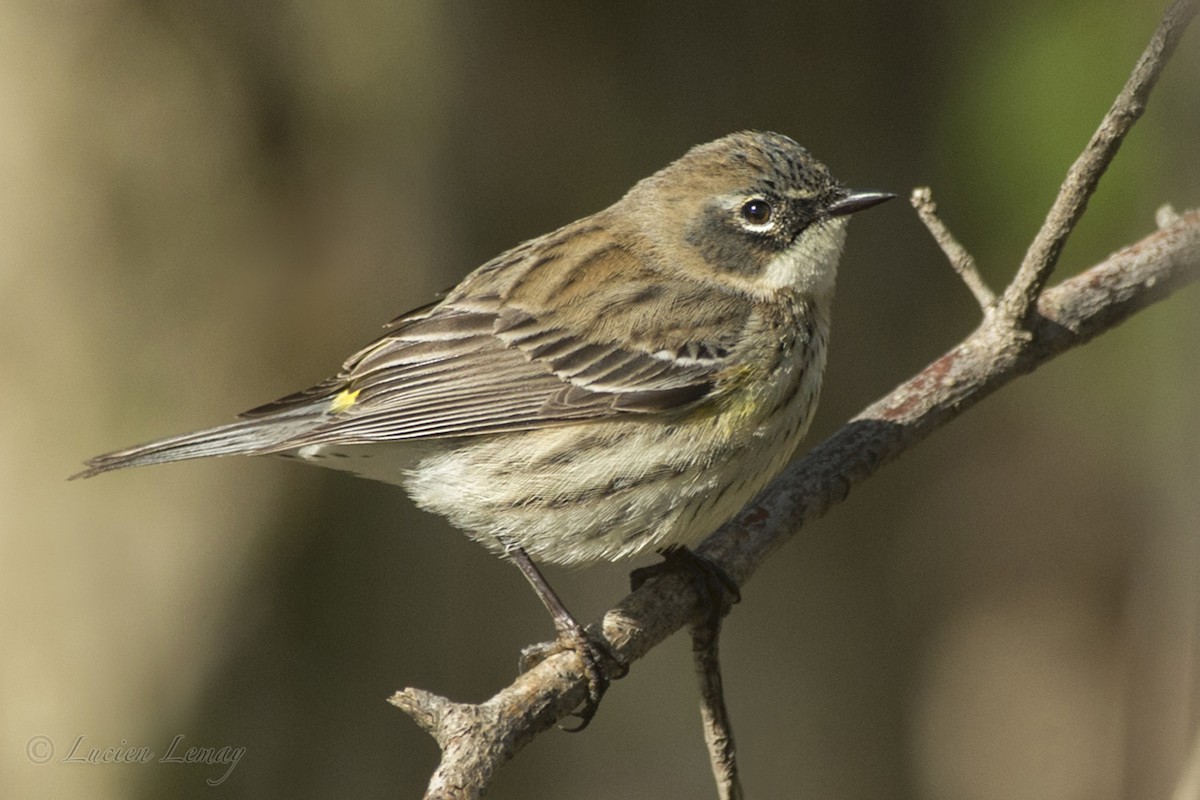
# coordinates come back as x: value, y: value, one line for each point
x: 595, y: 653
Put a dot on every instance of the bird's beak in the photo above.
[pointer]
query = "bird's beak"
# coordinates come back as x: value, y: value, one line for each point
x: 857, y: 200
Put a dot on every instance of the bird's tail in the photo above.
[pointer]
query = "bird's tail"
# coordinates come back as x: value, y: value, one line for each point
x: 253, y: 436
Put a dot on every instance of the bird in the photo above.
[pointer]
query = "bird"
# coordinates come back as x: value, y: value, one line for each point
x: 625, y: 383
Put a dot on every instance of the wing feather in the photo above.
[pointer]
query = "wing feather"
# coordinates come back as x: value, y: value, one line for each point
x: 489, y: 359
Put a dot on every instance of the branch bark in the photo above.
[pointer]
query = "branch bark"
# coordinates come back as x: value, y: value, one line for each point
x: 1026, y: 328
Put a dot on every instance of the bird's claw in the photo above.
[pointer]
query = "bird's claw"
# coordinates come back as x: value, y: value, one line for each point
x: 601, y: 666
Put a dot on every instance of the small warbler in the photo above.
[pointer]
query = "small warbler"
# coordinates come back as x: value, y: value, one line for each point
x: 627, y: 382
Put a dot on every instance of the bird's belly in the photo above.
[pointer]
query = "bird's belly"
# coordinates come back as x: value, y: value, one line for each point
x: 608, y: 490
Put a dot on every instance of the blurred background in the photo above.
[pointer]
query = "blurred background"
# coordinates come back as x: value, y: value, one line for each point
x: 204, y: 206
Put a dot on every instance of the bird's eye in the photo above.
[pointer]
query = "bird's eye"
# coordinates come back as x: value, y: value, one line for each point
x: 757, y: 211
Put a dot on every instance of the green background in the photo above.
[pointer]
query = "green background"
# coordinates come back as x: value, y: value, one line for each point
x: 204, y: 206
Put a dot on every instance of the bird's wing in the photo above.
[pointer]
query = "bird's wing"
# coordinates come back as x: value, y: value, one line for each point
x: 513, y: 359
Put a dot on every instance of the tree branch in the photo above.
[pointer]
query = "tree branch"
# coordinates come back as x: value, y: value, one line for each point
x: 961, y: 260
x: 1084, y: 175
x: 476, y: 740
x: 1025, y: 329
x: 718, y: 730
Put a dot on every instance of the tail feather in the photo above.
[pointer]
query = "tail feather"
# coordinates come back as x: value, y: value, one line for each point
x: 255, y: 436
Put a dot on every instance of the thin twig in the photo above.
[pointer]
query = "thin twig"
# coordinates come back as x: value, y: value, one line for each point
x: 718, y: 730
x: 962, y: 261
x: 1081, y: 181
x: 1166, y: 216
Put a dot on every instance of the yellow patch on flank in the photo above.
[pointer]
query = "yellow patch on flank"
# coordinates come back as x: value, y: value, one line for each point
x: 344, y: 400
